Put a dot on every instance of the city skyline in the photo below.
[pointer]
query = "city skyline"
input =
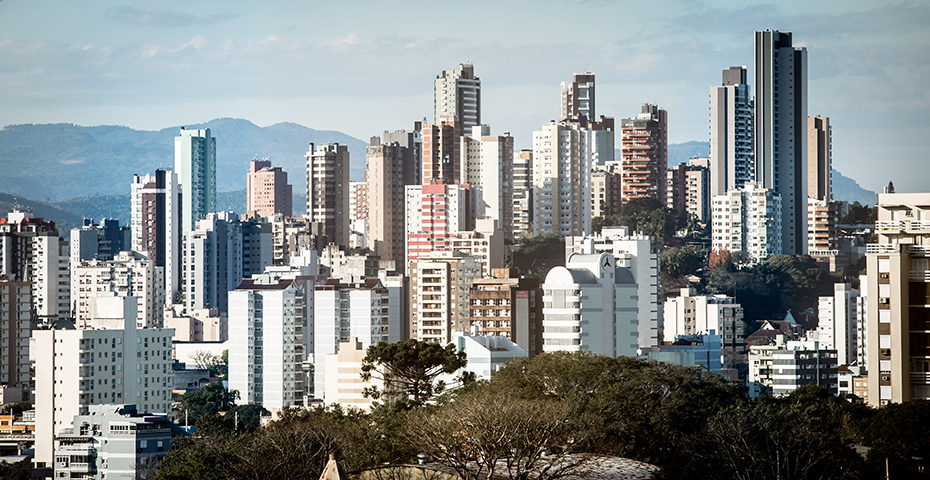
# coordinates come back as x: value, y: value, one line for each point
x: 148, y: 67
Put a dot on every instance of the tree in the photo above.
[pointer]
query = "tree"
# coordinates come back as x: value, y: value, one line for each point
x: 680, y: 261
x: 535, y: 256
x: 411, y: 369
x: 899, y: 433
x: 720, y: 259
x: 793, y: 437
x: 248, y: 417
x: 208, y: 400
x: 15, y: 408
x: 627, y: 407
x: 217, y: 365
x: 483, y: 434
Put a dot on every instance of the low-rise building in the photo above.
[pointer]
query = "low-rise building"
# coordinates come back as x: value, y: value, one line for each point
x: 691, y: 314
x: 689, y: 350
x: 112, y: 442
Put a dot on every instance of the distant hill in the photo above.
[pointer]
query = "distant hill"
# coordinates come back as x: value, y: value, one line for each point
x: 64, y: 220
x: 847, y: 189
x: 65, y: 161
x: 682, y: 152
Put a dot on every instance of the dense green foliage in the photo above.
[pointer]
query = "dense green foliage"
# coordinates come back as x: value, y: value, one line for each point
x: 208, y: 400
x: 535, y: 256
x: 21, y: 470
x: 645, y: 215
x: 770, y: 289
x: 689, y: 422
x: 859, y: 214
x: 680, y: 261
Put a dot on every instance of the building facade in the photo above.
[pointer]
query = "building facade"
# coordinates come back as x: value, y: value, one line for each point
x: 731, y: 133
x: 898, y: 288
x: 110, y: 362
x: 440, y: 283
x: 748, y: 220
x: 458, y: 93
x: 129, y: 274
x: 590, y: 305
x: 644, y: 154
x: 836, y: 323
x: 266, y: 354
x: 505, y: 305
x: 15, y: 329
x: 522, y: 193
x: 112, y: 442
x: 487, y: 161
x: 562, y: 167
x: 328, y: 191
x: 30, y: 250
x: 691, y: 314
x: 578, y: 97
x: 267, y: 190
x: 156, y: 224
x: 391, y: 167
x: 688, y: 188
x: 639, y: 254
x: 195, y: 165
x: 819, y: 158
x: 435, y: 214
x: 346, y: 310
x: 781, y: 130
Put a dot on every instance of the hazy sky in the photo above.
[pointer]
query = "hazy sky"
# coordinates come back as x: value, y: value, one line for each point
x: 362, y: 67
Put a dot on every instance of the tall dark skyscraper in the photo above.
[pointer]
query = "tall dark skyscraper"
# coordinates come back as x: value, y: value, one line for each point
x: 781, y: 130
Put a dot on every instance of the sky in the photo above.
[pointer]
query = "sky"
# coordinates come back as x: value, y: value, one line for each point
x: 361, y: 67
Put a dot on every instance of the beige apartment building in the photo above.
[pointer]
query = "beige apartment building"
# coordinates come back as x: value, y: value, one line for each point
x: 898, y: 304
x: 439, y: 289
x: 268, y: 191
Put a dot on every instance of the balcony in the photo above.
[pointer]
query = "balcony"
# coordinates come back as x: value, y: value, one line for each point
x: 881, y: 248
x: 922, y: 378
x: 920, y: 250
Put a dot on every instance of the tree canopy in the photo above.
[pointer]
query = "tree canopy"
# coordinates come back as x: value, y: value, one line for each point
x: 410, y: 369
x: 207, y: 400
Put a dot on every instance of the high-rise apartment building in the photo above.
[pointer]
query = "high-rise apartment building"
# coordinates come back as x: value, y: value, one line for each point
x: 266, y: 318
x: 218, y: 255
x: 487, y: 161
x: 522, y: 193
x: 731, y: 130
x: 439, y: 287
x: 819, y: 158
x: 590, y: 305
x: 328, y: 191
x: 267, y: 190
x: 442, y: 156
x: 606, y: 185
x: 195, y: 165
x: 748, y: 220
x: 639, y: 254
x: 129, y: 274
x: 644, y: 154
x: 110, y: 362
x: 458, y: 93
x: 343, y: 309
x: 781, y: 131
x: 688, y: 188
x: 578, y: 97
x: 30, y: 250
x: 434, y: 215
x: 156, y: 224
x: 562, y: 167
x: 391, y: 167
x: 898, y: 302
x: 821, y: 227
x: 15, y: 329
x: 98, y: 242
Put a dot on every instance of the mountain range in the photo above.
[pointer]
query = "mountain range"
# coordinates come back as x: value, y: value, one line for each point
x: 72, y: 171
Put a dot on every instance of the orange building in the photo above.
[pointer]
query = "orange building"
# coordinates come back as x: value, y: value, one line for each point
x: 644, y: 154
x: 268, y: 191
